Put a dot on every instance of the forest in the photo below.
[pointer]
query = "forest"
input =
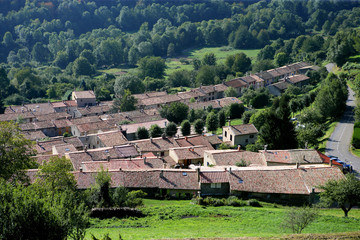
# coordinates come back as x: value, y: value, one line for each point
x: 51, y: 47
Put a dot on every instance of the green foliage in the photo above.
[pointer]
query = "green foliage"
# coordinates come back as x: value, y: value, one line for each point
x: 309, y: 135
x: 242, y: 163
x: 181, y: 78
x: 125, y: 102
x: 331, y: 99
x: 128, y: 81
x: 120, y: 196
x: 221, y: 118
x: 235, y: 110
x: 209, y: 59
x: 199, y: 126
x: 16, y: 152
x: 175, y: 112
x: 135, y: 198
x: 54, y: 175
x: 155, y: 131
x: 99, y: 194
x: 344, y: 192
x: 297, y: 219
x: 212, y: 122
x: 185, y: 128
x: 230, y: 92
x: 152, y: 67
x: 142, y: 133
x: 238, y: 62
x: 81, y: 66
x: 277, y: 131
x: 171, y: 129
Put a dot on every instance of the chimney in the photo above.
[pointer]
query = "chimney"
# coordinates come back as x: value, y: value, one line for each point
x: 239, y: 147
x: 297, y: 165
x: 229, y: 123
x: 81, y: 169
x: 120, y: 169
x: 108, y: 158
x: 85, y: 148
x: 164, y: 165
x: 230, y: 170
x: 331, y: 163
x: 265, y: 147
x: 186, y: 138
x: 151, y: 140
x: 198, y: 174
x: 144, y: 158
x: 162, y: 173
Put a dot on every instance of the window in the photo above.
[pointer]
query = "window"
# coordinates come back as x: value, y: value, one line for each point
x: 230, y: 137
x: 215, y: 185
x: 251, y: 136
x: 246, y: 140
x: 225, y: 133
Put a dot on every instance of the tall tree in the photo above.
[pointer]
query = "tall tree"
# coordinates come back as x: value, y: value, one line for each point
x: 128, y: 81
x: 175, y: 112
x: 152, y: 67
x: 124, y: 103
x: 185, y: 128
x: 15, y: 153
x: 212, y: 122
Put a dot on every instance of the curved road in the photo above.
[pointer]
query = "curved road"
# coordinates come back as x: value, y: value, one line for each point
x: 339, y: 142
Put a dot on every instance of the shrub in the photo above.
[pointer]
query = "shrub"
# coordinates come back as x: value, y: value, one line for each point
x: 253, y: 203
x: 235, y: 202
x: 242, y: 163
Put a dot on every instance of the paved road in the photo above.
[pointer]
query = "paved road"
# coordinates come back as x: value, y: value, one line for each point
x: 339, y: 142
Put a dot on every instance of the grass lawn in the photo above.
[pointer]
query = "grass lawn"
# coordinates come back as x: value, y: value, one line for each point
x: 329, y: 131
x: 237, y: 121
x: 221, y: 53
x: 181, y: 219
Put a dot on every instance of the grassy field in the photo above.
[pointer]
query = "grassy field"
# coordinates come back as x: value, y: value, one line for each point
x: 237, y: 121
x: 220, y: 52
x: 181, y: 219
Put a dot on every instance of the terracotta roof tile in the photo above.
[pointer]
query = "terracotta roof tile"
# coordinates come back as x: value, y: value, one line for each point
x: 113, y: 138
x: 236, y: 83
x: 214, y: 177
x: 84, y: 94
x: 231, y: 157
x: 196, y: 140
x: 284, y: 181
x: 155, y: 144
x: 303, y: 156
x: 244, y: 129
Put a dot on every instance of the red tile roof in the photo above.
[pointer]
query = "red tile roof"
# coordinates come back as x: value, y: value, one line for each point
x: 156, y: 144
x: 214, y: 177
x: 232, y: 157
x: 282, y: 180
x: 113, y: 138
x: 84, y: 94
x: 243, y: 129
x: 196, y: 140
x: 292, y: 156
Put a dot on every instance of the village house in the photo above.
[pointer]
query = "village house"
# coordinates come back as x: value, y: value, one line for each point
x: 129, y: 130
x: 101, y: 154
x: 45, y: 147
x: 214, y: 183
x: 239, y: 134
x: 233, y: 157
x: 291, y: 157
x: 105, y: 139
x: 278, y: 88
x: 238, y: 84
x: 298, y: 80
x: 185, y: 156
x: 282, y: 183
x: 84, y: 98
x: 158, y: 146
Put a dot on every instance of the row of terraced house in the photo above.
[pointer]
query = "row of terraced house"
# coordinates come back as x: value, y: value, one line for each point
x: 180, y: 166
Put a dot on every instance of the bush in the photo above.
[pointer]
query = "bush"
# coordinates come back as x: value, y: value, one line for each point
x: 235, y: 202
x: 123, y: 212
x: 253, y: 203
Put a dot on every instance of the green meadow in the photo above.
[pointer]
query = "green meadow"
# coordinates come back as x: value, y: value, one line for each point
x: 180, y: 219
